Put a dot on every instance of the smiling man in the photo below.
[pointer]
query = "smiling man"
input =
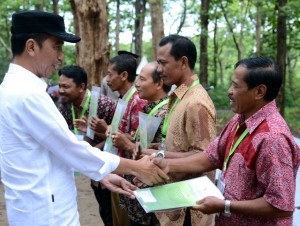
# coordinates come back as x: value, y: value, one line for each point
x: 256, y: 152
x: 38, y: 151
x: 190, y: 123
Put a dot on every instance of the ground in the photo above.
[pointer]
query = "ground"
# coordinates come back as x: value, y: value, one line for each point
x: 87, y: 204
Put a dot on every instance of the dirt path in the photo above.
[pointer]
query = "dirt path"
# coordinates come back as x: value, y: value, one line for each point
x: 87, y: 204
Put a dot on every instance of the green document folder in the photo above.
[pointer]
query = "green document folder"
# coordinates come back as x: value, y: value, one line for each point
x: 176, y: 195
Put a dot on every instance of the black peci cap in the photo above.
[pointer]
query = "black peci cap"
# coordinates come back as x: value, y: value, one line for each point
x: 32, y: 21
x: 129, y: 53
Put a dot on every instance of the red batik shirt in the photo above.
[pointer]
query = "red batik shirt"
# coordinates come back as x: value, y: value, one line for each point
x: 264, y: 165
x: 130, y: 120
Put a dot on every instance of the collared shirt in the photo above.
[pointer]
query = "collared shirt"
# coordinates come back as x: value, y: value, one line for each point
x: 38, y: 154
x: 134, y: 209
x: 264, y: 164
x: 192, y: 126
x: 161, y: 112
x: 130, y: 120
x: 105, y: 110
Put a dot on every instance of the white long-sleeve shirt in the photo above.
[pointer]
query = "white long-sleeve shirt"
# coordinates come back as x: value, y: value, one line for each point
x: 39, y: 153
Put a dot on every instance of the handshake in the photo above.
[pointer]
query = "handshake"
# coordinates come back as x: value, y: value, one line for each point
x: 147, y: 171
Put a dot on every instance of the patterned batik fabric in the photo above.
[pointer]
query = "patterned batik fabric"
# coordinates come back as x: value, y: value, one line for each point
x: 135, y: 211
x: 263, y: 165
x: 105, y: 110
x: 130, y: 120
x: 192, y: 127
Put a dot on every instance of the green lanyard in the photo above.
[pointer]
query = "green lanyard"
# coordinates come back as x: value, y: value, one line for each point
x: 233, y: 147
x: 158, y: 106
x: 130, y: 95
x: 167, y: 119
x: 85, y: 106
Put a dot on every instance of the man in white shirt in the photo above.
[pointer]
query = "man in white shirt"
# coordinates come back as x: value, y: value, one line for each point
x: 38, y: 152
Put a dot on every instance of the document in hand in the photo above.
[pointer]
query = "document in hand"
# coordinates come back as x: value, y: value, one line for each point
x: 176, y: 195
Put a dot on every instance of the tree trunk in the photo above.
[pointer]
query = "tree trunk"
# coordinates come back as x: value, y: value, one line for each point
x: 203, y: 42
x: 258, y: 28
x: 55, y: 6
x: 216, y: 50
x: 117, y: 41
x: 140, y: 8
x: 91, y: 24
x: 230, y: 27
x: 281, y: 51
x: 183, y: 17
x: 157, y: 24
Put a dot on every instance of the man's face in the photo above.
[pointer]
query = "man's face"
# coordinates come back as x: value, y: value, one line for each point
x: 49, y: 57
x: 114, y: 80
x: 170, y: 70
x: 68, y: 90
x: 242, y: 100
x: 145, y: 86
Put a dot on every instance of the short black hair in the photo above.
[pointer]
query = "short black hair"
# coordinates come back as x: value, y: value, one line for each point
x: 262, y: 70
x: 18, y: 41
x: 181, y: 46
x: 156, y: 79
x: 75, y: 72
x: 125, y: 62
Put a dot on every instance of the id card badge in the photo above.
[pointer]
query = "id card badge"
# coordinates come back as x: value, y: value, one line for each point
x: 79, y: 137
x: 220, y: 180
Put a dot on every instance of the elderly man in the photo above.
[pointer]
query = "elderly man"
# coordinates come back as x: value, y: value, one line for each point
x: 38, y: 151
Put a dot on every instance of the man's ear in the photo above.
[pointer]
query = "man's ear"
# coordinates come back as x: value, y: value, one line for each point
x: 185, y: 62
x: 159, y: 85
x: 261, y: 91
x: 82, y: 87
x: 30, y: 46
x: 124, y: 75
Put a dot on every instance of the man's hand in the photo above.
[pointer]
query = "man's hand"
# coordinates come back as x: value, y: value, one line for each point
x: 138, y: 153
x: 118, y: 184
x: 81, y: 124
x: 162, y: 164
x: 149, y: 173
x: 98, y: 125
x: 210, y: 205
x: 122, y: 141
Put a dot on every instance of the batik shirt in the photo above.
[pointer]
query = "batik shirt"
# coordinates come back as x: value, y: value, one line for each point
x: 130, y: 120
x: 264, y: 164
x: 135, y: 211
x: 105, y: 111
x: 192, y: 127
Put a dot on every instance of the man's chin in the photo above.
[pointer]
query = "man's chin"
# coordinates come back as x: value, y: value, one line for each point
x: 64, y: 100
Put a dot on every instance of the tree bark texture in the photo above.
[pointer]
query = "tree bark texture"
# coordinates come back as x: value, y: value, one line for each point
x: 91, y: 24
x: 157, y: 24
x: 281, y: 51
x: 117, y: 41
x: 140, y: 9
x: 203, y: 42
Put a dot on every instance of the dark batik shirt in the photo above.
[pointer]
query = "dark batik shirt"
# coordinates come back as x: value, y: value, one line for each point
x: 105, y: 110
x: 135, y: 211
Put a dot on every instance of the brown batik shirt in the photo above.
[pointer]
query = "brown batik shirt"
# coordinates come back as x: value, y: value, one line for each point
x: 192, y: 127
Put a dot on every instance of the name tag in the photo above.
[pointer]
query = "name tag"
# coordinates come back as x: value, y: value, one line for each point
x: 220, y: 180
x: 79, y: 137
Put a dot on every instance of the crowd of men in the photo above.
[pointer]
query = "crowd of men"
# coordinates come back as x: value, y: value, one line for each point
x: 41, y: 144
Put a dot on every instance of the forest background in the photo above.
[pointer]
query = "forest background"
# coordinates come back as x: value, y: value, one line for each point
x: 224, y: 31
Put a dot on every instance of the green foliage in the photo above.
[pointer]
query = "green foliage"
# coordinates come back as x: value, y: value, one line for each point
x: 292, y: 117
x: 220, y: 98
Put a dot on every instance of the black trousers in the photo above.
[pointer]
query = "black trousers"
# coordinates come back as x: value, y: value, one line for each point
x: 103, y: 197
x: 187, y: 219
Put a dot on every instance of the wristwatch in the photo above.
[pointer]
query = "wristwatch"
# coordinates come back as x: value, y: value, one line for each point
x: 160, y: 154
x: 227, y: 212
